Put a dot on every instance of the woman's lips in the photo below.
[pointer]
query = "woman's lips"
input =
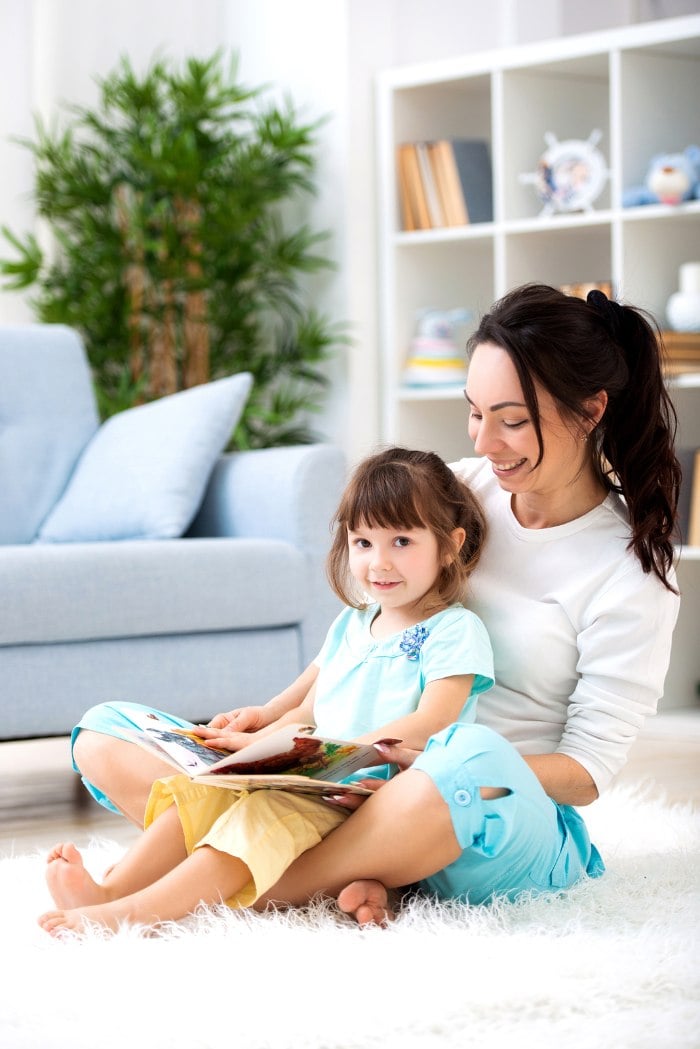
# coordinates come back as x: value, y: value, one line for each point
x: 509, y: 467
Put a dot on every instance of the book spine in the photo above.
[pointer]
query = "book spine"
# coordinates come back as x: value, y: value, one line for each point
x: 408, y: 218
x: 458, y: 214
x: 474, y: 170
x: 432, y: 197
x: 435, y: 157
x: 694, y: 522
x: 418, y: 202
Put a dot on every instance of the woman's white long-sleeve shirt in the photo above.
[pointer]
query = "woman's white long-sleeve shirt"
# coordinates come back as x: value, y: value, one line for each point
x: 581, y: 635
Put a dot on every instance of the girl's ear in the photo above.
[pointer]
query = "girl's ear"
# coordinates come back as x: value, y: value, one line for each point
x: 458, y: 535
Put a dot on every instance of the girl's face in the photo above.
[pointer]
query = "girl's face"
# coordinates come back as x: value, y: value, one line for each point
x: 502, y: 429
x: 396, y: 567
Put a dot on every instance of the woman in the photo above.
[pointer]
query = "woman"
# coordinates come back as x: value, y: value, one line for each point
x: 579, y: 482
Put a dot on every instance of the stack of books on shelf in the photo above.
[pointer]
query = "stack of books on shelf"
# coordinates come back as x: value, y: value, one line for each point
x: 682, y: 351
x: 689, y: 501
x: 444, y: 183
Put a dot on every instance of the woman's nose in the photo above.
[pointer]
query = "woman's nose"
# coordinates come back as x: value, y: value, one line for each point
x: 484, y: 439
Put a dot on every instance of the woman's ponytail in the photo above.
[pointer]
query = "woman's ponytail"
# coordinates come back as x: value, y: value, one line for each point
x: 636, y: 442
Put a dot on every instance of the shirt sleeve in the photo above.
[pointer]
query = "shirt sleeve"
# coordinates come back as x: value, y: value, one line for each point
x: 459, y: 644
x: 624, y: 654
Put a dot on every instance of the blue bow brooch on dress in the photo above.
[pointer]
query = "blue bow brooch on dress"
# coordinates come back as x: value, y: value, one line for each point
x: 413, y: 640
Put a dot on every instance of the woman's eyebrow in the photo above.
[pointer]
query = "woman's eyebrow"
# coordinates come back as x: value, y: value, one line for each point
x: 500, y: 405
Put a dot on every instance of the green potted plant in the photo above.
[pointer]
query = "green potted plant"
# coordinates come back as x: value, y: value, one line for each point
x: 172, y: 249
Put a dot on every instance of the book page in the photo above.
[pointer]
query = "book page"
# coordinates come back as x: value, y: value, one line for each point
x: 295, y: 784
x: 297, y: 749
x: 292, y: 749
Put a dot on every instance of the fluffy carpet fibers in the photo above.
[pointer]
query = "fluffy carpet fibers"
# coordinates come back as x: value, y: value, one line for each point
x: 612, y: 964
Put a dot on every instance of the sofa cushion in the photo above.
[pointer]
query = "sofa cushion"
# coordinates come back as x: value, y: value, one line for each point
x: 90, y: 591
x: 47, y: 416
x: 143, y: 474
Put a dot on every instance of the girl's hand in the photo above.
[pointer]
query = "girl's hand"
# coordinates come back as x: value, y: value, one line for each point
x: 222, y: 738
x: 244, y: 719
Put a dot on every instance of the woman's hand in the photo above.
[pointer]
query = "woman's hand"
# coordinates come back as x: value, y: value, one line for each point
x: 394, y: 754
x: 391, y: 754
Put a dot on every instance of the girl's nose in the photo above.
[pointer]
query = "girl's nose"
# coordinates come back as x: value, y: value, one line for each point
x: 381, y: 561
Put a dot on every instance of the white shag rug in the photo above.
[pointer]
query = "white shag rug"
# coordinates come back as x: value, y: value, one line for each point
x: 613, y: 964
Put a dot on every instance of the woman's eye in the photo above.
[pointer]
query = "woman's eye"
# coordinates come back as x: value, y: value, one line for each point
x: 515, y: 426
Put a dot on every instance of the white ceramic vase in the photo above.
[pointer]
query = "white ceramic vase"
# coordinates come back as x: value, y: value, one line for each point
x: 683, y: 307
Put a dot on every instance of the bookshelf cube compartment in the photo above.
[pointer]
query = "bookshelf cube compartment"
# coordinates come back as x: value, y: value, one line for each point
x: 569, y: 100
x: 659, y: 89
x: 545, y: 255
x: 656, y: 241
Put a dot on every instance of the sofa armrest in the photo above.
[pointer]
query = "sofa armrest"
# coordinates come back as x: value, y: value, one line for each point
x: 282, y: 493
x: 285, y: 493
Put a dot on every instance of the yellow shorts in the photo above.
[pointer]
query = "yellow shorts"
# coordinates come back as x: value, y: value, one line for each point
x: 265, y: 829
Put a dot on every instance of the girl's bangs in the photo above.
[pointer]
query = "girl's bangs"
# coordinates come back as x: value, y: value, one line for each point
x: 378, y: 504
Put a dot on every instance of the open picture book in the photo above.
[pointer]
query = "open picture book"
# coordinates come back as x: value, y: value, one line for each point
x: 291, y: 758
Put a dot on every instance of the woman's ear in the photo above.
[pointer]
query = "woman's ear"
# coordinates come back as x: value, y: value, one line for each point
x: 458, y: 535
x: 595, y: 407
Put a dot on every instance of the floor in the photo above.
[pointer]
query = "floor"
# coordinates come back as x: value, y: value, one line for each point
x: 42, y: 801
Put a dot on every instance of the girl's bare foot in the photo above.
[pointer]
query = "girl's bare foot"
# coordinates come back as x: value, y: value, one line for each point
x: 368, y: 902
x: 78, y: 919
x: 68, y: 881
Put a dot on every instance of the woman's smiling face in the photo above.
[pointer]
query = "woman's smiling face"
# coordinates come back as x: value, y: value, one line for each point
x: 502, y: 429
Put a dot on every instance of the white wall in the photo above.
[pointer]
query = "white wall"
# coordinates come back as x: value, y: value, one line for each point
x: 325, y: 54
x: 16, y: 106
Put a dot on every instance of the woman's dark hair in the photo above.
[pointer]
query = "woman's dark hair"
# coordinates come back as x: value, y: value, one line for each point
x: 574, y: 349
x: 403, y: 489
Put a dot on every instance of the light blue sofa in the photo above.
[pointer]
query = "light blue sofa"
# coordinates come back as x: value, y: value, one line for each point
x: 226, y: 616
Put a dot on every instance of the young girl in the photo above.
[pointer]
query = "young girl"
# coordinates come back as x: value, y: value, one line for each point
x: 405, y: 659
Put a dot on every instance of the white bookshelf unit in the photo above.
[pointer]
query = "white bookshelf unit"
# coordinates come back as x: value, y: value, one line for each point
x: 640, y: 86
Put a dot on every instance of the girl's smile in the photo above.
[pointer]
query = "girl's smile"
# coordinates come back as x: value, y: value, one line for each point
x: 396, y: 567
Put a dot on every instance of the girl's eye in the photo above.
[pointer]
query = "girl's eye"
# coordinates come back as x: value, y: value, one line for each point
x: 402, y: 540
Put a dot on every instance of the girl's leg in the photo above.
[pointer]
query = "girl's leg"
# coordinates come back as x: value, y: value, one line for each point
x: 401, y: 834
x: 123, y: 771
x: 469, y: 820
x: 206, y: 876
x: 157, y: 851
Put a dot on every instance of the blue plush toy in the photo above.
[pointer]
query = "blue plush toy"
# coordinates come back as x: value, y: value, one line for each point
x: 671, y: 178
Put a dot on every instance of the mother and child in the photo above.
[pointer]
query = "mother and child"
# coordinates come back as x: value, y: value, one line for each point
x: 493, y: 723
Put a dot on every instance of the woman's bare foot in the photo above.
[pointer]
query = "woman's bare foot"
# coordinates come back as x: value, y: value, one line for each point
x: 368, y: 902
x: 69, y: 882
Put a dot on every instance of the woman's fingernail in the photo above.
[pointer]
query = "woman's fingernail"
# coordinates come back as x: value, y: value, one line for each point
x: 386, y: 742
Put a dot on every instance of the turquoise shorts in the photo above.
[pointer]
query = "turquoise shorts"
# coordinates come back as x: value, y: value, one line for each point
x: 112, y: 719
x: 523, y: 842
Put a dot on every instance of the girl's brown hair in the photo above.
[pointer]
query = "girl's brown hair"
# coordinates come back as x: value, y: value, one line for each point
x: 403, y: 489
x: 574, y: 349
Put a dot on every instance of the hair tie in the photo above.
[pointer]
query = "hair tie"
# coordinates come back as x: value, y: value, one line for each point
x: 611, y: 312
